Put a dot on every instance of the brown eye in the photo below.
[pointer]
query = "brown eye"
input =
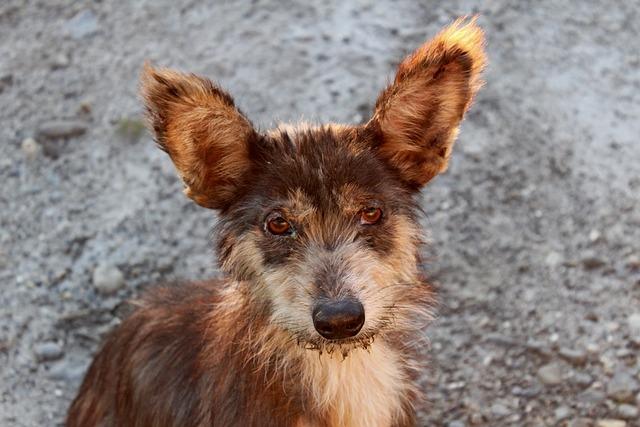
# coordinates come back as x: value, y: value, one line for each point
x: 278, y: 226
x: 370, y: 216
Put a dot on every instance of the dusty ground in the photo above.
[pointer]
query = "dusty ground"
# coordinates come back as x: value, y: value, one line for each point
x: 536, y: 226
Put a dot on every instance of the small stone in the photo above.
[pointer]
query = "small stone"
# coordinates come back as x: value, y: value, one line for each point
x: 562, y: 413
x: 580, y: 422
x: 633, y: 262
x: 56, y: 129
x: 83, y: 24
x: 107, y: 279
x: 592, y: 263
x: 6, y: 80
x: 456, y: 423
x: 622, y: 387
x: 551, y: 374
x: 528, y: 392
x: 582, y: 379
x: 46, y: 351
x: 68, y: 371
x: 476, y: 418
x: 634, y: 323
x: 31, y: 148
x: 611, y: 423
x: 553, y: 259
x: 499, y: 410
x: 594, y: 235
x: 591, y: 398
x: 575, y: 357
x: 627, y: 412
x: 60, y: 60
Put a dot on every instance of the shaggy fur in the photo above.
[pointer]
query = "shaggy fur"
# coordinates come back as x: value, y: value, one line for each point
x: 243, y: 351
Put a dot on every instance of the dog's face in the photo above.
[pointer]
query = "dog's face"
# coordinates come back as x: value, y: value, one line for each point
x: 322, y: 221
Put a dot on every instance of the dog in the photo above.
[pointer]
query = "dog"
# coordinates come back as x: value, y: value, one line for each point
x: 320, y: 318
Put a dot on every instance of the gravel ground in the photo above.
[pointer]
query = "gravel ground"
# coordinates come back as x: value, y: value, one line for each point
x: 535, y: 227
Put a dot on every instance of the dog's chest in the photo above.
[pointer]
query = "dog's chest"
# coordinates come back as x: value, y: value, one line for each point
x: 365, y: 389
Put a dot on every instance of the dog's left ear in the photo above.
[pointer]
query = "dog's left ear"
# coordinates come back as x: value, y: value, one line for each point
x: 417, y: 116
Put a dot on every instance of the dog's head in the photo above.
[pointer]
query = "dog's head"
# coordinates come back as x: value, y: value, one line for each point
x: 322, y: 221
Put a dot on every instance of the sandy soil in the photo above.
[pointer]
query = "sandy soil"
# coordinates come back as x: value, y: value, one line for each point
x: 535, y: 227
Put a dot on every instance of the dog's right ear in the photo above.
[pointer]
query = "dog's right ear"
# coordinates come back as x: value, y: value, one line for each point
x: 203, y: 132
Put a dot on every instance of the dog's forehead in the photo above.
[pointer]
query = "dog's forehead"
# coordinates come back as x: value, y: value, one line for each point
x: 323, y: 168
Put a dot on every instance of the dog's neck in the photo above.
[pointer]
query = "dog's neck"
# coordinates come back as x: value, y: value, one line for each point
x: 367, y: 388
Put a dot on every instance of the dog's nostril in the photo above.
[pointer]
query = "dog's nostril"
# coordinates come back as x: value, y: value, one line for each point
x: 338, y: 319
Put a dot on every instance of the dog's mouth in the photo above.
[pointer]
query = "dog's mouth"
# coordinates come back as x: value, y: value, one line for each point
x: 341, y: 347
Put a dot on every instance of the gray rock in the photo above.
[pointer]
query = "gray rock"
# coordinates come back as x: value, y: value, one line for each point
x: 31, y: 148
x: 551, y: 374
x: 499, y: 410
x: 562, y: 413
x: 575, y: 357
x: 56, y: 129
x: 46, y: 351
x: 622, y: 387
x: 611, y: 423
x: 628, y: 412
x: 107, y: 279
x: 590, y: 398
x: 634, y: 323
x: 582, y: 379
x: 580, y: 422
x: 59, y: 60
x: 68, y: 371
x: 456, y: 423
x: 83, y: 24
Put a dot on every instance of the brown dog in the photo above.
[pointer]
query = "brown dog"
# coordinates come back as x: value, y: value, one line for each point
x: 320, y: 317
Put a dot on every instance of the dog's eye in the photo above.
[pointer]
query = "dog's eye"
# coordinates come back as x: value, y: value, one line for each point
x: 278, y: 226
x: 370, y: 216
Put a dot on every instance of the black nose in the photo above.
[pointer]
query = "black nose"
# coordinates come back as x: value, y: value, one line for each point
x: 335, y: 320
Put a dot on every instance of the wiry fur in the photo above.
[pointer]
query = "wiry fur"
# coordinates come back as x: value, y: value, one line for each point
x: 244, y: 351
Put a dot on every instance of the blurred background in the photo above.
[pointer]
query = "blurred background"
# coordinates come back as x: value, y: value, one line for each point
x: 535, y: 227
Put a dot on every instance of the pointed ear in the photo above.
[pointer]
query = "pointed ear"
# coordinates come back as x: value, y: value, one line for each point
x: 418, y: 115
x: 203, y: 132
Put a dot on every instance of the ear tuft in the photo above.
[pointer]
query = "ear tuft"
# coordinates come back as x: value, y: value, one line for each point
x: 198, y: 125
x: 419, y: 113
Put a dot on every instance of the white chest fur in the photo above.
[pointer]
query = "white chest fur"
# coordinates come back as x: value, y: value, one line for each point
x: 362, y: 390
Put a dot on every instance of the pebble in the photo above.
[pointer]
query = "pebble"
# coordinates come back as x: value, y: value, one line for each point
x: 628, y: 412
x: 499, y: 410
x: 83, y: 24
x: 591, y: 398
x: 611, y: 423
x: 55, y: 129
x: 68, y: 371
x: 592, y: 263
x: 551, y: 374
x: 562, y: 413
x: 31, y: 148
x: 622, y: 387
x: 582, y: 379
x: 575, y: 357
x: 107, y: 279
x: 580, y: 422
x: 456, y: 423
x: 634, y: 323
x: 60, y: 60
x: 46, y: 351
